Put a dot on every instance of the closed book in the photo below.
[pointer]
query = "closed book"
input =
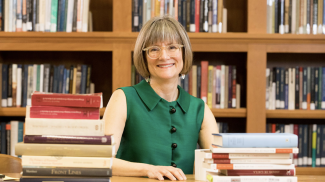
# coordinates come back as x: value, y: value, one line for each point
x: 24, y: 179
x: 75, y: 172
x: 259, y: 140
x: 41, y: 126
x: 247, y: 166
x: 59, y: 161
x: 76, y: 150
x: 70, y: 100
x: 66, y: 139
x: 217, y: 178
x: 62, y: 112
x: 216, y: 149
x: 288, y: 172
x: 248, y: 161
x: 210, y: 155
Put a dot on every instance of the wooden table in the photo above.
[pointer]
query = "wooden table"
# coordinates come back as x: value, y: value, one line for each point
x: 190, y: 178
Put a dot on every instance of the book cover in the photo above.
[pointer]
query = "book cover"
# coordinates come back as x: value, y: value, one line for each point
x: 75, y: 172
x: 204, y: 80
x: 68, y: 139
x: 59, y: 112
x: 210, y: 155
x: 24, y: 179
x: 70, y: 100
x: 288, y: 172
x: 76, y: 150
x: 247, y: 166
x: 259, y: 140
x: 216, y: 149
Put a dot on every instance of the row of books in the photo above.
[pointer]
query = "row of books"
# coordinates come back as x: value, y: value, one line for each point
x: 296, y: 16
x: 295, y: 88
x: 311, y: 142
x: 65, y: 149
x: 194, y: 15
x: 44, y: 15
x: 10, y: 134
x: 19, y: 81
x: 247, y: 157
x: 215, y: 85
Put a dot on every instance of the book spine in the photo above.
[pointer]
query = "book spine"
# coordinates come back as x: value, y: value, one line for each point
x: 25, y: 85
x: 199, y: 82
x: 249, y: 161
x: 251, y: 178
x: 14, y: 84
x: 52, y: 161
x: 48, y: 15
x: 323, y: 85
x: 77, y: 172
x: 304, y: 92
x: 309, y: 143
x: 286, y: 88
x: 246, y: 156
x: 192, y: 16
x: 4, y: 83
x: 204, y: 80
x: 54, y: 15
x: 64, y: 179
x: 19, y: 85
x: 289, y: 172
x: 320, y: 74
x: 316, y: 87
x: 216, y: 149
x: 247, y: 166
x: 64, y: 139
x: 66, y: 100
x: 312, y: 88
x: 322, y: 146
x: 37, y: 126
x: 197, y: 15
x: 63, y: 112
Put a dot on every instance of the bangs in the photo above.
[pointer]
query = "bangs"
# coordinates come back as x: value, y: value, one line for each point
x: 162, y: 31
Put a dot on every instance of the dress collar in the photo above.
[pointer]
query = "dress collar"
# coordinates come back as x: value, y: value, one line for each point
x: 150, y: 98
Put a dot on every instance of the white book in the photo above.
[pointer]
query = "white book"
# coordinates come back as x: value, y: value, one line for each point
x: 19, y: 87
x: 13, y: 136
x: 69, y: 16
x: 85, y: 15
x: 209, y: 155
x: 214, y: 16
x: 42, y: 14
x: 253, y: 150
x: 79, y: 127
x: 222, y: 87
x: 247, y: 166
x: 6, y: 15
x: 200, y: 172
x: 293, y: 16
x: 253, y: 161
x: 14, y: 15
x: 41, y: 78
x: 80, y: 15
x: 224, y: 20
x: 59, y: 161
x: 30, y: 84
x: 48, y: 4
x: 148, y: 10
x: 216, y: 178
x: 144, y: 11
x: 10, y: 15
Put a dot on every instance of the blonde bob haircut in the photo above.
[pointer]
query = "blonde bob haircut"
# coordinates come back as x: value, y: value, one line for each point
x: 157, y: 30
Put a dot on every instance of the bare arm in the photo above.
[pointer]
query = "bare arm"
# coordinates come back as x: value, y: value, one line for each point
x: 115, y: 117
x: 209, y: 126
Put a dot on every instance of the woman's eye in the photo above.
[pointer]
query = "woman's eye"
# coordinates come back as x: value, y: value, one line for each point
x: 172, y: 47
x: 154, y: 49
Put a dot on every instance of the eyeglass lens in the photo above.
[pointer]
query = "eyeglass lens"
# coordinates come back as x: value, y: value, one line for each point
x: 155, y: 51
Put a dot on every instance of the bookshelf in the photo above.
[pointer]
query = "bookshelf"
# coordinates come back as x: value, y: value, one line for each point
x: 109, y: 48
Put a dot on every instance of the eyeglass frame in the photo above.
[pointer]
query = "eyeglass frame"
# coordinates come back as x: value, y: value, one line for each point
x: 146, y: 49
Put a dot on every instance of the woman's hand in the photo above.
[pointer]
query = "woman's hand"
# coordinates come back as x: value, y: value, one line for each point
x: 159, y: 172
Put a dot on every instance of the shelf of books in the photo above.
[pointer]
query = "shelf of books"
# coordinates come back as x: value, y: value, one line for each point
x: 296, y: 114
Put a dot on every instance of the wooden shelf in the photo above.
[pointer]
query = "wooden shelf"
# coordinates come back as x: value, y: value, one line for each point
x: 310, y: 171
x: 296, y: 114
x: 21, y: 112
x: 229, y: 113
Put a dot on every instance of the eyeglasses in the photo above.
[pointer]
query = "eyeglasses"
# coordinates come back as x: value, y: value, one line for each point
x: 154, y: 52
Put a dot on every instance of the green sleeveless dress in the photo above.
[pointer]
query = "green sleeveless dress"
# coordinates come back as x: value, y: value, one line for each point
x: 159, y: 132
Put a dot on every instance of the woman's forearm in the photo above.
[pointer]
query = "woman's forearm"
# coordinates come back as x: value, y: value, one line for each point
x: 125, y: 168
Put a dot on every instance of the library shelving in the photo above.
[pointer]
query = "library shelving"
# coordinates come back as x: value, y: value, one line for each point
x: 111, y: 44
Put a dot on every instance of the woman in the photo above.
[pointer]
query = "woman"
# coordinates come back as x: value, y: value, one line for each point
x: 156, y: 124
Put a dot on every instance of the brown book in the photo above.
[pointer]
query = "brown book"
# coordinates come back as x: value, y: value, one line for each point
x: 204, y: 80
x: 285, y: 172
x: 220, y: 13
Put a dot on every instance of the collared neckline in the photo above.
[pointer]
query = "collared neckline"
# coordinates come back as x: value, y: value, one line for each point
x: 150, y: 98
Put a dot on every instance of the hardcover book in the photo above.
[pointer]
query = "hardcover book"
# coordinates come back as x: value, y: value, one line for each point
x: 216, y: 149
x: 75, y: 172
x: 66, y: 139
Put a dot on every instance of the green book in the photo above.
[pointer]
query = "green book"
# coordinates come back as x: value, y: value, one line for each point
x: 54, y: 15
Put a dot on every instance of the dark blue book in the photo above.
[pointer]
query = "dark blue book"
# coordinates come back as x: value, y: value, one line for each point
x: 25, y: 85
x: 286, y: 89
x: 192, y: 15
x: 60, y: 78
x: 316, y: 87
x: 282, y: 126
x: 322, y: 146
x: 312, y: 88
x: 83, y: 79
x: 61, y: 15
x: 184, y: 13
x: 180, y: 12
x: 277, y: 87
x: 305, y: 146
x: 3, y: 138
x: 297, y: 90
x: 4, y: 83
x: 276, y: 16
x: 64, y: 81
x: 55, y: 79
x: 323, y: 88
x: 320, y: 74
x: 281, y: 92
x: 310, y: 145
x: 65, y: 179
x: 1, y: 15
x: 140, y: 10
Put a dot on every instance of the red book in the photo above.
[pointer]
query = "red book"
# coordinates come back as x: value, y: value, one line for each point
x: 70, y: 139
x: 204, y: 80
x: 247, y: 172
x: 63, y: 112
x: 197, y: 15
x: 69, y: 100
x: 296, y: 132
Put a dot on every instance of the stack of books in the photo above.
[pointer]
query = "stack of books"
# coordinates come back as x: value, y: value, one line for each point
x: 64, y: 139
x: 248, y: 157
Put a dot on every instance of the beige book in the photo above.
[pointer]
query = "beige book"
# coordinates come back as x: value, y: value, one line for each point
x: 74, y: 81
x: 237, y: 96
x: 85, y: 12
x: 320, y: 17
x: 293, y: 16
x: 194, y: 80
x: 76, y: 150
x: 79, y: 127
x: 286, y: 16
x: 224, y: 20
x: 157, y: 8
x: 42, y: 14
x: 302, y: 16
x: 297, y: 15
x: 59, y: 161
x: 220, y: 13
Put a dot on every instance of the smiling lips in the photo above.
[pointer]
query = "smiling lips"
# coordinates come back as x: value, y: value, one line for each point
x: 165, y: 65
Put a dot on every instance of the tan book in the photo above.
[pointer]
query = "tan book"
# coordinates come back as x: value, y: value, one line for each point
x: 76, y: 150
x: 157, y: 8
x: 302, y: 16
x: 320, y: 17
x: 210, y: 85
x: 237, y: 96
x: 297, y: 16
x: 286, y: 16
x: 59, y: 161
x: 224, y: 20
x: 220, y: 13
x: 194, y: 80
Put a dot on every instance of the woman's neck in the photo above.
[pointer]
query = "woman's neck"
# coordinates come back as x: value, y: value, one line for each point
x: 165, y: 89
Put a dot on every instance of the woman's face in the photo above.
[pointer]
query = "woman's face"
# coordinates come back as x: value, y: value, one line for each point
x: 165, y: 67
